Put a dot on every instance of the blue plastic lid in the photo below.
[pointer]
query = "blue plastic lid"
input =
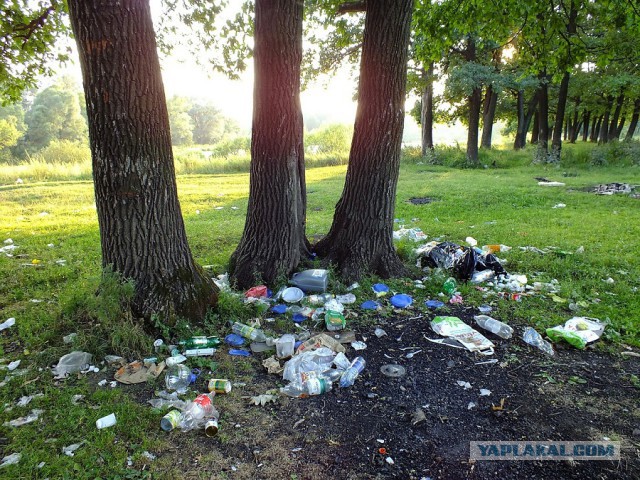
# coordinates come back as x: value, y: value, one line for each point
x: 192, y: 378
x: 434, y: 303
x: 401, y: 300
x: 370, y: 305
x: 279, y: 309
x: 297, y: 344
x: 234, y: 340
x: 380, y: 288
x: 240, y: 352
x: 299, y: 318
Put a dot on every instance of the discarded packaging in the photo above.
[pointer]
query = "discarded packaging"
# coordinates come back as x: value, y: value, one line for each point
x: 334, y: 320
x: 179, y: 377
x: 393, y: 370
x: 71, y: 363
x: 138, y: 372
x: 370, y: 305
x: 317, y: 360
x: 292, y: 295
x: 359, y: 345
x: 401, y: 300
x: 18, y: 422
x: 379, y: 332
x: 533, y: 338
x: 348, y: 378
x: 578, y: 331
x: 200, y: 342
x: 219, y: 385
x: 318, y: 341
x: 494, y: 326
x: 285, y: 345
x: 171, y: 420
x: 433, y: 304
x: 69, y: 450
x: 312, y: 386
x: 9, y: 322
x: 380, y: 289
x: 455, y: 328
x: 311, y: 280
x: 257, y: 292
x: 418, y: 416
x: 108, y: 421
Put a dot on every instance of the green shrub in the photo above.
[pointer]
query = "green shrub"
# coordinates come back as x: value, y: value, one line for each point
x: 66, y: 152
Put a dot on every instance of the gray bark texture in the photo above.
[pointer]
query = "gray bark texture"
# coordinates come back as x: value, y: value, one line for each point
x: 273, y: 242
x: 141, y: 228
x: 360, y: 240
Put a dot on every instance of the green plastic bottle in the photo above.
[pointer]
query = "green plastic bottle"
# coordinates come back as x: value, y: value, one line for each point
x: 449, y: 286
x: 200, y: 342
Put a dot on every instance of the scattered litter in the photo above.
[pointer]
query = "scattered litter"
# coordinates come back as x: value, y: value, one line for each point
x: 7, y: 249
x: 578, y: 331
x: 359, y: 345
x: 533, y: 338
x: 461, y: 261
x: 263, y: 399
x: 393, y: 370
x: 346, y: 299
x: 71, y: 363
x: 77, y: 398
x: 115, y: 360
x: 559, y: 205
x: 418, y: 416
x: 315, y: 280
x: 149, y: 456
x: 379, y: 332
x: 464, y: 384
x: 10, y: 459
x: 26, y: 399
x: 468, y: 337
x: 380, y: 289
x: 292, y: 295
x: 239, y: 352
x: 412, y: 354
x: 630, y: 354
x: 32, y: 417
x: 471, y: 406
x: 370, y: 305
x: 401, y: 300
x: 279, y: 309
x: 272, y: 365
x: 612, y: 188
x: 484, y: 309
x: 433, y: 304
x: 138, y: 372
x: 70, y: 449
x: 551, y: 184
x: 321, y: 340
x: 13, y: 365
x: 9, y: 322
x: 498, y: 408
x: 493, y: 360
x: 69, y: 338
x: 40, y: 465
x: 389, y: 460
x: 484, y: 392
x: 105, y: 422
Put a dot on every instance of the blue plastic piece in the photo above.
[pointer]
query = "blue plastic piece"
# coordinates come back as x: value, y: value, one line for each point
x: 279, y: 309
x: 240, y: 352
x: 401, y: 300
x: 380, y: 288
x: 299, y: 318
x: 370, y: 305
x: 297, y: 344
x: 234, y: 340
x: 434, y: 304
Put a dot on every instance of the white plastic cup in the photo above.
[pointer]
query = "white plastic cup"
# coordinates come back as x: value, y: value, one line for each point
x: 108, y: 421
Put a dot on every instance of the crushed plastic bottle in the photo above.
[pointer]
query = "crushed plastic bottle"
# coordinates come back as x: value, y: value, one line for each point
x: 449, y: 286
x: 319, y: 299
x: 198, y: 412
x: 533, y: 338
x: 494, y: 326
x: 179, y: 377
x: 251, y: 333
x: 348, y: 378
x: 312, y: 386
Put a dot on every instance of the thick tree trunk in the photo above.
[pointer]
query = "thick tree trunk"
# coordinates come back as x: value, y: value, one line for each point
x: 620, y: 127
x: 542, y: 152
x: 556, y: 141
x: 575, y: 124
x: 634, y: 120
x: 603, y: 136
x: 426, y: 113
x: 273, y: 242
x: 535, y: 129
x: 595, y: 128
x: 585, y: 125
x: 488, y: 116
x: 520, y: 132
x: 613, y: 128
x: 141, y: 228
x: 528, y: 116
x: 360, y: 240
x: 475, y: 104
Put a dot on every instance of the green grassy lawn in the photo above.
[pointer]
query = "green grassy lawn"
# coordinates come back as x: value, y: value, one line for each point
x: 53, y: 221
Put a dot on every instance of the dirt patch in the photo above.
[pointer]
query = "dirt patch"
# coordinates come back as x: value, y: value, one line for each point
x: 575, y: 396
x: 421, y: 200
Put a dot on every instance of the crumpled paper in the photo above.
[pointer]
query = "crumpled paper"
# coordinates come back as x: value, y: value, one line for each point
x: 138, y: 372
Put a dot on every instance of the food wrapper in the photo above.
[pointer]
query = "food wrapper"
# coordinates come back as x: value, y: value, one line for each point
x: 455, y: 328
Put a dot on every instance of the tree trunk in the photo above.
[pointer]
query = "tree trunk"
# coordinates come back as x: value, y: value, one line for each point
x: 556, y: 141
x: 620, y: 127
x: 520, y: 132
x: 488, y: 116
x: 595, y: 128
x: 535, y: 129
x: 475, y: 103
x: 529, y: 115
x: 585, y: 125
x: 141, y: 228
x: 542, y: 152
x: 613, y: 128
x: 360, y: 240
x: 273, y: 242
x: 603, y: 136
x: 575, y: 124
x: 634, y: 120
x: 426, y: 113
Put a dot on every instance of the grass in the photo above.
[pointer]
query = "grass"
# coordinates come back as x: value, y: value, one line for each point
x: 56, y: 220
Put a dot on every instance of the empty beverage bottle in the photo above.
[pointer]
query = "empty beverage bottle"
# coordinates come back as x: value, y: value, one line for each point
x: 533, y: 338
x: 179, y: 377
x: 494, y: 326
x: 349, y: 376
x: 171, y: 420
x: 312, y: 386
x: 251, y: 333
x: 319, y: 299
x: 449, y: 286
x: 200, y: 342
x: 197, y: 413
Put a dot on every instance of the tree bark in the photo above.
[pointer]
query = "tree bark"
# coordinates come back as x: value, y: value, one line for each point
x: 535, y: 129
x: 595, y: 128
x: 475, y: 104
x: 634, y: 120
x: 585, y: 125
x: 613, y: 128
x: 426, y: 113
x: 575, y: 124
x: 141, y: 228
x: 556, y: 141
x: 603, y: 137
x: 528, y: 116
x: 542, y: 152
x: 517, y: 143
x: 361, y: 237
x: 488, y: 116
x: 273, y: 242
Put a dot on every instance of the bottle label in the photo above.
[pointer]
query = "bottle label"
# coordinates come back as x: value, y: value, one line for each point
x: 203, y: 400
x: 316, y: 386
x: 173, y: 418
x: 219, y: 385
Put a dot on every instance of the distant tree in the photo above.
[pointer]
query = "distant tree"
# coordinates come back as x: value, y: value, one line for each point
x: 11, y: 128
x: 180, y: 120
x: 333, y: 138
x: 142, y: 233
x: 54, y: 115
x: 208, y: 124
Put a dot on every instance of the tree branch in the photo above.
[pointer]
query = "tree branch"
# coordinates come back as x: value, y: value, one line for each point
x: 352, y: 7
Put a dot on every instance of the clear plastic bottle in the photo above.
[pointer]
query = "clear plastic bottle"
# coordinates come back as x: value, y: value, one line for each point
x: 349, y: 376
x: 533, y: 338
x: 179, y: 377
x: 197, y: 413
x: 319, y: 299
x: 494, y: 326
x: 251, y: 333
x: 312, y: 386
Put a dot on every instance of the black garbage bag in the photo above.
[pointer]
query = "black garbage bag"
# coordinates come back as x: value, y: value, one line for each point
x: 465, y: 264
x: 443, y: 255
x: 490, y: 262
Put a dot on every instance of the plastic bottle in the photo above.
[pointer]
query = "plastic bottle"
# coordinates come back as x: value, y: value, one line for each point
x: 494, y: 326
x: 179, y: 377
x: 349, y: 376
x: 251, y: 333
x: 197, y: 413
x: 449, y: 286
x: 319, y: 299
x: 200, y: 342
x: 533, y: 338
x: 312, y: 386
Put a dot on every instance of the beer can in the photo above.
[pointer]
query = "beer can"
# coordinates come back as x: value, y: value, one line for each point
x: 219, y: 385
x: 211, y: 428
x: 171, y: 420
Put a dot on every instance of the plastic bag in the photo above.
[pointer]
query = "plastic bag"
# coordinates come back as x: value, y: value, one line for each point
x: 71, y: 363
x: 577, y: 331
x: 317, y: 360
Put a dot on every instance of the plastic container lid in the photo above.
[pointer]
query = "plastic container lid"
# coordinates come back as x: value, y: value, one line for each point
x: 234, y: 340
x: 401, y: 300
x: 380, y: 288
x: 299, y: 318
x: 279, y: 309
x: 434, y: 304
x: 292, y: 295
x: 370, y: 305
x: 240, y: 352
